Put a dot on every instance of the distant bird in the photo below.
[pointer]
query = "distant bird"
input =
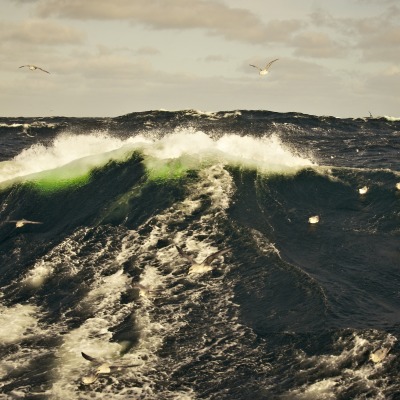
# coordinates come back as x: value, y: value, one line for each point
x: 363, y: 190
x: 205, y: 266
x: 34, y: 67
x: 314, y: 219
x: 102, y: 368
x: 21, y: 222
x: 398, y: 185
x: 379, y: 355
x: 265, y: 70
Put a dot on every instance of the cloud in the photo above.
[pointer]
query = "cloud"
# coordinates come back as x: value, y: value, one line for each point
x: 212, y: 58
x: 147, y: 51
x: 25, y: 1
x: 378, y: 2
x: 39, y: 32
x: 379, y: 38
x: 318, y: 45
x: 386, y: 83
x: 374, y: 38
x: 282, y: 30
x: 215, y: 17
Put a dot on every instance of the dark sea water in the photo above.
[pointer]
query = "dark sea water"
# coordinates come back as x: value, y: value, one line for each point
x: 294, y: 311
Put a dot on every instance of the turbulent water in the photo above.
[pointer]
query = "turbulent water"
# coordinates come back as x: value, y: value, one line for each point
x: 293, y: 311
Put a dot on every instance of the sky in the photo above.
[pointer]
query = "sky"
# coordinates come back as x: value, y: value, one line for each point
x: 108, y: 58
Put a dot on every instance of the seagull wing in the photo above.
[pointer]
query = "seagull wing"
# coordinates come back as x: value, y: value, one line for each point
x: 213, y: 256
x: 89, y: 358
x: 184, y: 255
x: 22, y: 66
x: 113, y: 367
x: 255, y: 66
x: 269, y: 64
x: 43, y: 70
x: 32, y: 222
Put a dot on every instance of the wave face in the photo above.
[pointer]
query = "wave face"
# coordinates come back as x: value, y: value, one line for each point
x: 293, y: 311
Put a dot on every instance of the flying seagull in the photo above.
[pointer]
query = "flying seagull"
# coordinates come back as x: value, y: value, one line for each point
x: 34, y: 67
x: 205, y: 266
x: 102, y: 368
x: 265, y: 70
x: 21, y: 222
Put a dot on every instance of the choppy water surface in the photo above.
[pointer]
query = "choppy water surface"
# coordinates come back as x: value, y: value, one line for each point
x: 294, y: 311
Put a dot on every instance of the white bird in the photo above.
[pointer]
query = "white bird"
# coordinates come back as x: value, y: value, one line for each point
x: 379, y: 355
x: 103, y: 368
x: 363, y: 190
x: 205, y: 266
x: 34, y: 67
x: 21, y: 222
x: 264, y: 71
x: 398, y: 185
x: 314, y: 219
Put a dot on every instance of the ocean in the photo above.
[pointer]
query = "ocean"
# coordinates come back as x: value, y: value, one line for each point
x: 293, y: 310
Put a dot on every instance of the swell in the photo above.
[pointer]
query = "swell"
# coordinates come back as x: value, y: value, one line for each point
x: 292, y: 312
x: 343, y: 257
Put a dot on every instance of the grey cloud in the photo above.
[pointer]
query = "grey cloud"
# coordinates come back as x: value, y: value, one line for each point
x: 318, y: 45
x: 374, y: 38
x: 379, y: 2
x: 379, y: 38
x: 215, y: 17
x: 39, y: 32
x: 282, y: 30
x: 215, y: 58
x: 322, y: 18
x: 147, y: 51
x: 381, y: 54
x: 25, y: 1
x: 387, y: 83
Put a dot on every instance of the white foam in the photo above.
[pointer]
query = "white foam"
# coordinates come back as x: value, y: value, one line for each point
x: 265, y: 154
x: 14, y: 125
x: 64, y: 149
x: 192, y: 148
x: 61, y: 259
x: 22, y: 319
x: 93, y: 336
x: 391, y: 119
x: 342, y: 377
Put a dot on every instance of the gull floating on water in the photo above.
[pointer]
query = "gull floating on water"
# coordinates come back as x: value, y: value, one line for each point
x: 379, y: 355
x: 264, y: 71
x: 102, y: 368
x: 21, y: 222
x: 314, y: 219
x: 205, y: 266
x: 34, y: 67
x: 363, y: 190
